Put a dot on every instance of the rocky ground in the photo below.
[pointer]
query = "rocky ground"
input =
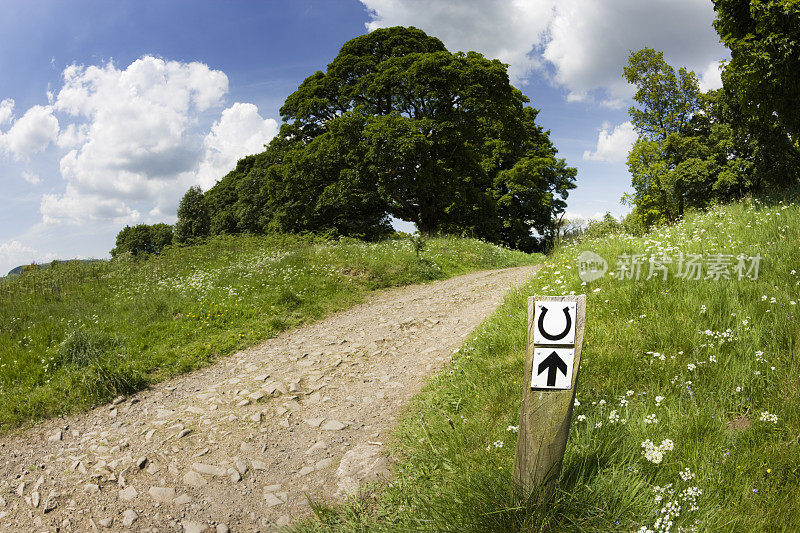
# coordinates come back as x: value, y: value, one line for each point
x: 238, y: 446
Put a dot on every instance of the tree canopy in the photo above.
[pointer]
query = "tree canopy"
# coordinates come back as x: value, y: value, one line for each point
x: 142, y: 239
x: 397, y: 125
x: 764, y: 39
x: 695, y: 148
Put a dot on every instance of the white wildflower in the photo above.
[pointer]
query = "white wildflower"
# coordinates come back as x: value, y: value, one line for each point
x: 766, y: 416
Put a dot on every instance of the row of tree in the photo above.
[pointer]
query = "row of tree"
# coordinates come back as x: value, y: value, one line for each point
x: 695, y: 148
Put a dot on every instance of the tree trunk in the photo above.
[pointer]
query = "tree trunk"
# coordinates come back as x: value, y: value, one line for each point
x: 427, y: 221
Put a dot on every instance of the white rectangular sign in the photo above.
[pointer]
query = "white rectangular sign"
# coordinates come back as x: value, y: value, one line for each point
x: 554, y: 323
x: 552, y: 368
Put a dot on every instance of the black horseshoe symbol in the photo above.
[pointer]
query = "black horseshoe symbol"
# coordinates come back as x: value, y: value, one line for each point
x: 560, y: 335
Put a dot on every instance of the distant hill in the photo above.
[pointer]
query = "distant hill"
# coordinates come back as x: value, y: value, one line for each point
x: 16, y: 271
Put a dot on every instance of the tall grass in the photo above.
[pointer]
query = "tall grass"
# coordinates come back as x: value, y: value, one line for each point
x: 76, y: 334
x: 688, y: 412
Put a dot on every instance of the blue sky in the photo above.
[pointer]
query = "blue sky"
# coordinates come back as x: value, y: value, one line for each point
x: 109, y: 111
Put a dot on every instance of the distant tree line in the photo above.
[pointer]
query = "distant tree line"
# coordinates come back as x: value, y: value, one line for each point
x: 698, y: 148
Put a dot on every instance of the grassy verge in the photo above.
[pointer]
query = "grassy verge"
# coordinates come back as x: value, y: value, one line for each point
x: 705, y: 370
x: 74, y: 335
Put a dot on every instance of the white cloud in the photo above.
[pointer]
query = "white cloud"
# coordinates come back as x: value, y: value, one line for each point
x: 506, y: 30
x: 613, y: 146
x: 6, y: 110
x: 14, y: 253
x: 711, y: 76
x: 589, y: 42
x: 134, y: 140
x: 240, y: 131
x: 586, y: 44
x: 31, y: 177
x: 29, y: 134
x: 74, y: 207
x: 73, y: 136
x: 135, y: 145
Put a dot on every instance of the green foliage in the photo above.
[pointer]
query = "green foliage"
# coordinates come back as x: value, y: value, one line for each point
x: 397, y: 125
x: 696, y: 148
x: 764, y: 39
x: 193, y: 217
x: 142, y: 238
x: 75, y: 334
x: 718, y: 353
x: 666, y: 100
x: 608, y: 225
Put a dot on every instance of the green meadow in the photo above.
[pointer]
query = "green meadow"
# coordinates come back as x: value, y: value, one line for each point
x: 687, y: 415
x: 74, y: 335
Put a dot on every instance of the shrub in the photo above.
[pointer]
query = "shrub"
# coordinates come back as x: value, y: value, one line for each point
x: 142, y: 238
x: 82, y: 348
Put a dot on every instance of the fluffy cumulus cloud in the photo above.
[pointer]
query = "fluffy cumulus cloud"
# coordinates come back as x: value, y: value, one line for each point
x: 14, y: 253
x: 589, y: 42
x: 583, y: 45
x: 6, y: 110
x: 711, y: 76
x: 132, y: 138
x: 29, y: 134
x: 503, y: 29
x: 239, y: 131
x: 80, y: 207
x: 613, y: 145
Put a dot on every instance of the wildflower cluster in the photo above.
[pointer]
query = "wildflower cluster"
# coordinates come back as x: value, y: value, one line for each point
x: 673, y: 502
x: 766, y: 416
x: 655, y: 454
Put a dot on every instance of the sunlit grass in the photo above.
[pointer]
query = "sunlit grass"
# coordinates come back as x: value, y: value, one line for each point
x: 76, y: 334
x: 688, y: 416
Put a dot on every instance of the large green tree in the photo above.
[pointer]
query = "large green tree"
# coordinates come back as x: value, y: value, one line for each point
x: 397, y: 125
x: 764, y: 39
x: 695, y: 148
x: 667, y: 100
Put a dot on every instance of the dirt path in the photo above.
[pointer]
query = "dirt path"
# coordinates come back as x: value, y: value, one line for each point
x: 237, y: 446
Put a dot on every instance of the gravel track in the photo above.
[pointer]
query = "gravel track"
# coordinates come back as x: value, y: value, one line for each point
x: 237, y: 446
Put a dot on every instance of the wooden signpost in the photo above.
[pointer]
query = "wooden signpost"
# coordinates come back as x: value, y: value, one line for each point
x: 552, y: 361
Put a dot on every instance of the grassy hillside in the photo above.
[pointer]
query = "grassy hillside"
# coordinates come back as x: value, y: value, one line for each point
x: 688, y: 416
x: 77, y: 334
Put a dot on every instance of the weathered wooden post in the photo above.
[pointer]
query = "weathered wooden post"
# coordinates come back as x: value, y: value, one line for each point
x: 552, y: 361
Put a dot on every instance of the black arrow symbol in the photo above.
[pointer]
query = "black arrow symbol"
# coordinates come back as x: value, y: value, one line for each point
x: 552, y: 363
x: 560, y: 335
